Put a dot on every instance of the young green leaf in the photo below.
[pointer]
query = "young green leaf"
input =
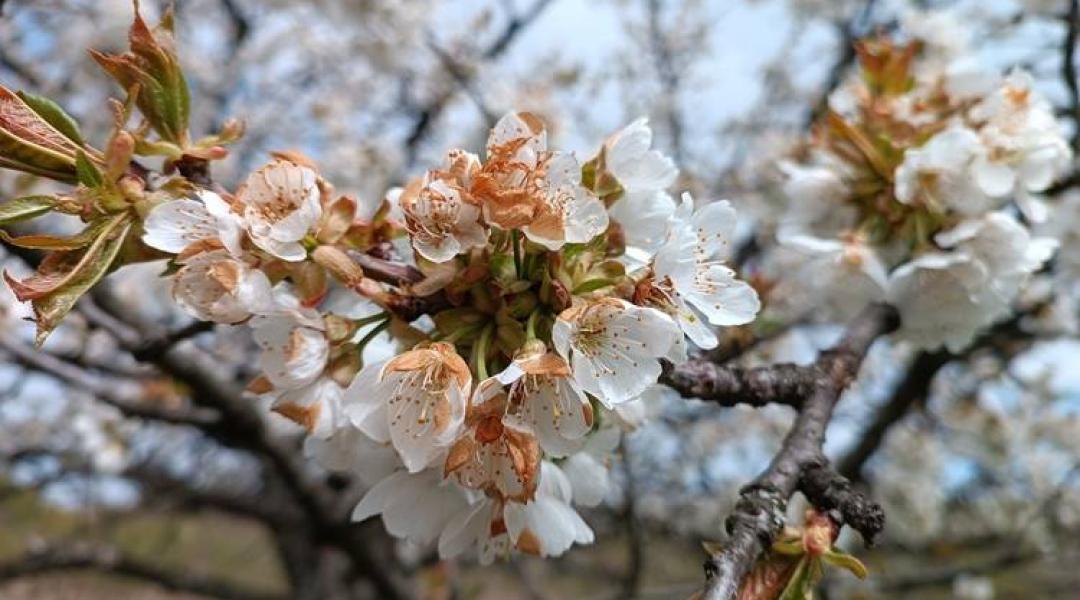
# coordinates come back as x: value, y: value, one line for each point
x: 50, y: 309
x: 59, y: 268
x: 592, y: 285
x: 151, y: 67
x: 49, y: 242
x: 53, y: 115
x: 769, y: 577
x: 87, y: 172
x: 30, y: 143
x: 803, y: 580
x: 27, y: 207
x: 844, y: 560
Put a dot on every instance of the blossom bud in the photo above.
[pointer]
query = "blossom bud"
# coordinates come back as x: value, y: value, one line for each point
x: 310, y: 280
x: 338, y: 263
x: 482, y: 299
x: 118, y: 155
x: 231, y: 130
x: 561, y: 298
x: 531, y: 349
x: 336, y: 220
x: 339, y: 328
x: 215, y: 153
x: 522, y: 304
x: 818, y: 533
x: 344, y: 368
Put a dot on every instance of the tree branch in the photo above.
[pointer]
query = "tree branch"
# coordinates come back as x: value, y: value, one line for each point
x: 848, y: 32
x: 243, y: 425
x: 124, y: 398
x: 112, y: 561
x: 912, y: 390
x: 670, y: 79
x: 759, y: 512
x: 1068, y: 68
x: 828, y: 490
x: 783, y: 383
x: 427, y: 115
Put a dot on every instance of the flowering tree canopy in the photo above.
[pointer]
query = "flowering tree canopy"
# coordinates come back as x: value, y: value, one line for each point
x: 471, y: 346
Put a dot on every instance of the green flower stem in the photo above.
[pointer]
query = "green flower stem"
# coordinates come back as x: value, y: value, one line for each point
x: 368, y: 320
x: 364, y: 341
x: 453, y: 336
x: 480, y: 351
x: 530, y: 325
x: 515, y: 240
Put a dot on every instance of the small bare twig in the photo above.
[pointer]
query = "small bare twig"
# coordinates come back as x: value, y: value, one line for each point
x: 123, y: 397
x: 113, y: 561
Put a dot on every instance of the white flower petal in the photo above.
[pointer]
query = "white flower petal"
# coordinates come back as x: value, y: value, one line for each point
x: 173, y: 226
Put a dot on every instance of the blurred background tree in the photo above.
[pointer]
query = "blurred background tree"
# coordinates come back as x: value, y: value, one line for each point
x: 132, y: 467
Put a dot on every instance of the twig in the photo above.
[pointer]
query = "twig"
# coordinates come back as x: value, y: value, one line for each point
x: 463, y: 79
x: 112, y: 561
x: 242, y: 425
x: 385, y: 271
x: 912, y: 390
x: 155, y: 347
x: 124, y: 398
x: 669, y: 76
x: 635, y: 541
x: 1068, y: 68
x: 946, y: 575
x: 759, y: 512
x: 829, y: 491
x: 782, y: 383
x: 426, y: 116
x: 848, y: 33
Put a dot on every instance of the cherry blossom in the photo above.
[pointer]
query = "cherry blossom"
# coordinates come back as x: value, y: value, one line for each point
x: 441, y: 219
x: 698, y: 285
x: 613, y: 347
x: 415, y: 400
x: 215, y: 286
x: 281, y: 205
x: 176, y: 225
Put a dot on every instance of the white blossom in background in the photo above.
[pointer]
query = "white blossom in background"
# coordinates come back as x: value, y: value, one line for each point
x: 925, y: 216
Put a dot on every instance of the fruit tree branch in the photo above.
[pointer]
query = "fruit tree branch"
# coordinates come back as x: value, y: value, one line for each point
x: 759, y: 512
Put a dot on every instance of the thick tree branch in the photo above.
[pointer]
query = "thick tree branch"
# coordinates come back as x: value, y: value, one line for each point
x: 784, y: 383
x: 759, y: 513
x: 112, y: 561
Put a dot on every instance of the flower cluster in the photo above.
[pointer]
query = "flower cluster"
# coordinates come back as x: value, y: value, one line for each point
x: 535, y: 300
x: 916, y: 186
